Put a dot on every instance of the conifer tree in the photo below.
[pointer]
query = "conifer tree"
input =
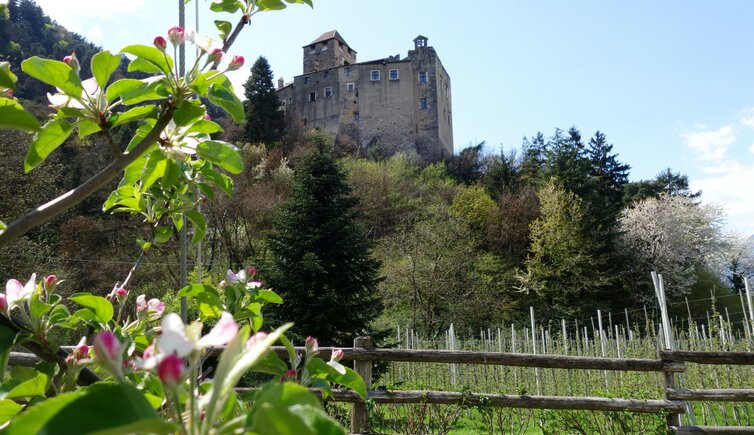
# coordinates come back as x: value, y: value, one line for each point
x: 321, y: 262
x: 264, y: 120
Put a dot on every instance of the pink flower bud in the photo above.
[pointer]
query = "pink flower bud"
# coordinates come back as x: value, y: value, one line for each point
x: 311, y: 344
x: 155, y: 308
x: 337, y: 355
x: 236, y: 62
x: 141, y: 304
x: 50, y: 281
x: 3, y: 302
x: 251, y: 271
x: 106, y: 346
x: 223, y: 284
x: 288, y: 376
x: 148, y: 352
x: 160, y: 43
x: 176, y: 35
x: 259, y: 336
x: 216, y: 55
x: 208, y: 118
x: 121, y: 294
x: 73, y: 62
x: 81, y: 350
x: 254, y: 284
x: 170, y: 369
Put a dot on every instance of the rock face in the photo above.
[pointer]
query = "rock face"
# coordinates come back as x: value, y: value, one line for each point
x: 392, y: 103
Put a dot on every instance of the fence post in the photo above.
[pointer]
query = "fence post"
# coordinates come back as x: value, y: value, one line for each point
x: 360, y: 414
x: 668, y: 379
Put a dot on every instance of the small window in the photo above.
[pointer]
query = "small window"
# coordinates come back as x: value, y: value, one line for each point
x: 328, y: 92
x: 424, y: 103
x: 306, y: 80
x: 326, y: 74
x: 324, y: 47
x: 290, y: 101
x: 374, y: 75
x: 313, y: 96
x: 350, y: 87
x: 356, y: 116
x: 422, y: 77
x: 347, y: 71
x: 312, y: 50
x: 393, y: 74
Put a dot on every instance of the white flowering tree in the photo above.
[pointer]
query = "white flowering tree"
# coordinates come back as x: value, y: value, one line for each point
x: 674, y: 235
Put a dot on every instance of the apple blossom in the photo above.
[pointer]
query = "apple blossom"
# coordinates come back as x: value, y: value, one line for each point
x: 121, y: 294
x: 235, y: 63
x: 141, y: 304
x: 73, y: 62
x: 176, y: 35
x: 225, y: 329
x: 337, y: 355
x: 289, y: 376
x: 50, y: 281
x: 155, y: 308
x: 171, y: 368
x: 81, y: 351
x: 259, y: 336
x: 173, y: 338
x: 215, y: 55
x: 160, y: 43
x: 106, y: 346
x: 14, y: 291
x: 311, y: 345
x: 236, y: 277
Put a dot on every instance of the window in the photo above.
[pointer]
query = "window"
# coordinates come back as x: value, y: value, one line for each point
x: 324, y: 47
x: 312, y: 96
x: 424, y: 103
x: 326, y: 74
x: 347, y: 71
x: 393, y: 74
x: 422, y: 77
x: 306, y: 80
x: 350, y: 87
x: 328, y: 92
x: 312, y: 50
x: 356, y: 116
x: 374, y: 75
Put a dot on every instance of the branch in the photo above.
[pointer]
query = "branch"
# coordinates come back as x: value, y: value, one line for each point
x: 232, y: 38
x: 57, y: 206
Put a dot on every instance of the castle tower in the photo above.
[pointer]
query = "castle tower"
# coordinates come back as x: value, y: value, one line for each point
x: 328, y: 51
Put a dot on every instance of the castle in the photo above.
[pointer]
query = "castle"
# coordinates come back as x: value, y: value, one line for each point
x: 397, y: 104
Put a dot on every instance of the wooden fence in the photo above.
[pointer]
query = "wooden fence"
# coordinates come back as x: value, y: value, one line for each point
x: 670, y: 364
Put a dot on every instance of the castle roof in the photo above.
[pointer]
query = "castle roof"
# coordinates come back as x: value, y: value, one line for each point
x: 332, y: 34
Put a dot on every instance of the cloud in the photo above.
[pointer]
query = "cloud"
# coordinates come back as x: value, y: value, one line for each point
x: 747, y: 117
x: 710, y: 145
x: 70, y: 13
x: 95, y: 33
x: 728, y: 188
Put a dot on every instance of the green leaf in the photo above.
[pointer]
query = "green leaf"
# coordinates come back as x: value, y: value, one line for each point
x: 133, y: 114
x: 51, y: 136
x: 172, y: 172
x: 153, y: 91
x: 8, y: 410
x: 12, y: 115
x: 222, y: 181
x: 101, y: 408
x: 205, y: 126
x: 7, y: 78
x: 55, y: 73
x: 35, y: 386
x: 154, y: 169
x: 87, y: 127
x: 120, y: 87
x: 151, y: 426
x: 224, y: 27
x: 104, y: 65
x: 320, y: 369
x: 221, y: 153
x: 290, y: 408
x: 141, y: 65
x: 39, y: 308
x: 224, y: 97
x: 7, y: 338
x: 269, y: 296
x: 271, y: 364
x: 226, y: 6
x: 188, y: 112
x: 101, y: 307
x: 199, y: 224
x: 162, y: 234
x: 151, y: 55
x: 210, y: 305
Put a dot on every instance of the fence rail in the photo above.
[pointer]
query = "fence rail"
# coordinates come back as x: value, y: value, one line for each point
x: 670, y: 363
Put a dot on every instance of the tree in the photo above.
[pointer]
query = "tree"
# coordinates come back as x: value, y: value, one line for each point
x: 264, y: 119
x: 665, y: 182
x: 321, y: 260
x: 561, y: 275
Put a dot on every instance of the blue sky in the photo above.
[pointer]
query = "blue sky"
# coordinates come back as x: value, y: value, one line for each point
x: 670, y: 83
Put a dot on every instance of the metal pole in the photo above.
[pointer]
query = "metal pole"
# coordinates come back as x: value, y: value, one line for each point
x: 183, y: 236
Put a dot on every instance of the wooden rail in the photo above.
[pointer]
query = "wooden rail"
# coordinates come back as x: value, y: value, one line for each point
x: 669, y: 364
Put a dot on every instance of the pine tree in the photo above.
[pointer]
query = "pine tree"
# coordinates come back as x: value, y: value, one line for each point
x: 264, y: 119
x: 321, y: 262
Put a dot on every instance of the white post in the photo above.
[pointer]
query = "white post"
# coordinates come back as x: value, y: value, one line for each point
x: 534, y: 347
x: 748, y: 300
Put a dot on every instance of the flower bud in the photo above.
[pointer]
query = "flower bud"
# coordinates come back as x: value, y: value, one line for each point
x: 141, y: 304
x: 259, y: 336
x: 216, y: 55
x: 251, y: 271
x: 155, y: 308
x: 3, y: 302
x: 337, y: 355
x: 160, y: 43
x: 81, y: 350
x: 289, y: 376
x: 223, y: 284
x: 170, y: 370
x: 50, y: 281
x: 176, y: 35
x: 106, y: 346
x: 73, y: 62
x: 121, y: 294
x: 208, y: 118
x: 236, y: 62
x: 148, y: 352
x: 311, y: 344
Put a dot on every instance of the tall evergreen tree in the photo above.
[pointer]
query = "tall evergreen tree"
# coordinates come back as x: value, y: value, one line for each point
x: 321, y: 262
x: 264, y: 119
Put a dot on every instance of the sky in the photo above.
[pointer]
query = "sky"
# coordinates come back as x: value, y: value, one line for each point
x: 670, y: 83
